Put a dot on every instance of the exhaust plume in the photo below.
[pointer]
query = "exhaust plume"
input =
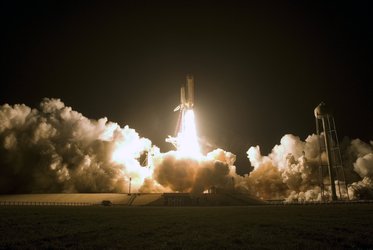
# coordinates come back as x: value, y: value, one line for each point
x: 56, y: 149
x: 186, y: 174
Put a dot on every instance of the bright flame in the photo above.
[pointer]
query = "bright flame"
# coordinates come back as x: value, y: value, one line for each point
x: 127, y: 151
x: 121, y: 153
x: 187, y: 139
x: 127, y: 155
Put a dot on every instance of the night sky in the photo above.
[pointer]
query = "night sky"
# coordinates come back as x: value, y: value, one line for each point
x: 259, y: 69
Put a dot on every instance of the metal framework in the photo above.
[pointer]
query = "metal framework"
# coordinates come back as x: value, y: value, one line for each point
x: 331, y: 169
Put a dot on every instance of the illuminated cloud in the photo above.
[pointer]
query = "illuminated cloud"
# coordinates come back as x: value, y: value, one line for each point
x: 56, y: 149
x: 291, y: 170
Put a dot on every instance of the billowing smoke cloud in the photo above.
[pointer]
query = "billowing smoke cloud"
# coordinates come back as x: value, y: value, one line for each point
x: 56, y: 149
x: 364, y: 158
x: 363, y: 166
x: 184, y: 174
x: 291, y: 170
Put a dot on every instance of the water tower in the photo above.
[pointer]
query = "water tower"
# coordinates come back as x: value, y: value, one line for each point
x: 330, y: 168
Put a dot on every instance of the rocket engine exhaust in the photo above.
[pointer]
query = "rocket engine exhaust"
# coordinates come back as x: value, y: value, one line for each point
x: 186, y: 140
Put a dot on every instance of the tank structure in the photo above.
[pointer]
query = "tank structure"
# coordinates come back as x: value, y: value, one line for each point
x: 186, y: 103
x: 331, y: 168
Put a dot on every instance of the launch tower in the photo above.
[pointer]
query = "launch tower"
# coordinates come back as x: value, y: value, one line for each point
x: 331, y: 168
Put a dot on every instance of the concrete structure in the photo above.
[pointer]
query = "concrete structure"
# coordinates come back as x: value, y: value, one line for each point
x: 135, y: 199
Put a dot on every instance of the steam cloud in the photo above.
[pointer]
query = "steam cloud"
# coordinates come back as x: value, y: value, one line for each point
x: 191, y: 175
x: 56, y: 149
x: 291, y: 170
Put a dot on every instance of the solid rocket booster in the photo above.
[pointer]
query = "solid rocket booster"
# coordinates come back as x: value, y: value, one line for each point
x: 182, y: 96
x: 186, y: 95
x: 190, y: 86
x: 186, y: 102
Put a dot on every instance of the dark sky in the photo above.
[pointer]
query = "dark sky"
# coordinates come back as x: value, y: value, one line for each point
x: 259, y: 69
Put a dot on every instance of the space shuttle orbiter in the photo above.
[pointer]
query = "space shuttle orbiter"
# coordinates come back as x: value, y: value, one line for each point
x: 186, y: 95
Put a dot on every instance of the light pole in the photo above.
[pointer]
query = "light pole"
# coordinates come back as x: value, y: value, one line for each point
x: 129, y: 187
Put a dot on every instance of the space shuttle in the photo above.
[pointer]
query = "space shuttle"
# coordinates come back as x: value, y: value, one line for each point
x: 186, y: 95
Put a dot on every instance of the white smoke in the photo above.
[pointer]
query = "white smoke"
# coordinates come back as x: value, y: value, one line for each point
x: 364, y: 158
x: 184, y: 174
x: 56, y: 149
x: 363, y: 166
x: 291, y: 170
x: 362, y: 189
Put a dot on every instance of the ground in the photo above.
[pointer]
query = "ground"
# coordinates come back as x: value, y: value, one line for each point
x: 258, y: 227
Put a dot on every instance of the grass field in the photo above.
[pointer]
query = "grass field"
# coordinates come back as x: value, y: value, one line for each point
x: 258, y: 227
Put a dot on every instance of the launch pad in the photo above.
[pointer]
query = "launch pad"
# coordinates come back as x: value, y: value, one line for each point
x: 134, y: 199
